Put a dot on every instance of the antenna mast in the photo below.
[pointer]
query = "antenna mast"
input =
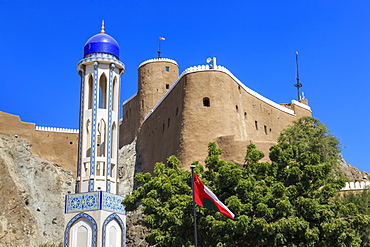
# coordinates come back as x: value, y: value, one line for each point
x: 298, y: 85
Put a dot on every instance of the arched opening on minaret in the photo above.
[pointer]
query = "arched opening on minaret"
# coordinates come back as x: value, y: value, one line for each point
x: 102, y: 128
x: 103, y: 92
x: 81, y: 230
x: 114, y: 97
x: 114, y: 231
x: 87, y: 140
x: 89, y: 92
x: 114, y: 141
x: 82, y: 236
x: 114, y: 234
x: 81, y: 233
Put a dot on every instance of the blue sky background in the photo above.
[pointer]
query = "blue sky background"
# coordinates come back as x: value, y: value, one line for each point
x: 42, y: 41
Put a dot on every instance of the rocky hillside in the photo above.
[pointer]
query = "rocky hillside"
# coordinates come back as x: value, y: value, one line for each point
x: 351, y: 172
x: 32, y: 192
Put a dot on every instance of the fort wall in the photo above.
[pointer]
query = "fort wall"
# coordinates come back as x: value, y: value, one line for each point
x: 130, y: 122
x: 57, y: 145
x: 214, y: 106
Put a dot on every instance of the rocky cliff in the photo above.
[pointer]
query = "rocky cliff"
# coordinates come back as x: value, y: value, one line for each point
x: 32, y: 192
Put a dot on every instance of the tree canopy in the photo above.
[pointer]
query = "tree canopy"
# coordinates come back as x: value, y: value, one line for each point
x: 290, y: 201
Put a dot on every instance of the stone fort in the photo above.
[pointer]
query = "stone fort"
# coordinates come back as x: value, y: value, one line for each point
x: 177, y: 114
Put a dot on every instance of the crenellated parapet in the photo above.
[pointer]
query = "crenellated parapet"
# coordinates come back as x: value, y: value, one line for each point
x: 153, y: 60
x: 356, y: 186
x: 54, y: 129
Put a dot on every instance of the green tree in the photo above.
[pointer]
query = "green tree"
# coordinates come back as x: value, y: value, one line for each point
x: 289, y: 201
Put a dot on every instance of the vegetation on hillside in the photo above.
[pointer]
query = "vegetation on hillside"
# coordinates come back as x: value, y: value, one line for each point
x: 290, y: 201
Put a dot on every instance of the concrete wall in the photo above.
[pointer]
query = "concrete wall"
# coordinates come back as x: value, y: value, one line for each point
x: 57, y: 147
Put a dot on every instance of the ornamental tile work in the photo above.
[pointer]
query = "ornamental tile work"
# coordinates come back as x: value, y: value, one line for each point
x: 97, y: 200
x: 112, y: 202
x: 101, y: 57
x: 82, y: 202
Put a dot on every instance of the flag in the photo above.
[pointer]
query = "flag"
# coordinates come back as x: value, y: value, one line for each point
x: 204, y: 197
x: 161, y: 38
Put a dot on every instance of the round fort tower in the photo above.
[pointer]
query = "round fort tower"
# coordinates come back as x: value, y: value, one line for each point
x: 155, y: 77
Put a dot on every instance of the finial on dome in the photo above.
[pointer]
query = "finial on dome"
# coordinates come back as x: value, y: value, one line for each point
x: 102, y: 27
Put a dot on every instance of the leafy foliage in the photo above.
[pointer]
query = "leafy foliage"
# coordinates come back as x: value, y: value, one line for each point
x: 288, y: 202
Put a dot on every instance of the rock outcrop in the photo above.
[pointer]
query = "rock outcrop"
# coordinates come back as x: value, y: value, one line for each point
x: 32, y: 191
x: 351, y: 173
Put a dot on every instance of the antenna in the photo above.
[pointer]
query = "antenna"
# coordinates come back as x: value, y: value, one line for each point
x: 298, y: 85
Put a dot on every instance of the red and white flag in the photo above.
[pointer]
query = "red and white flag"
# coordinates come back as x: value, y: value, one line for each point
x: 161, y: 38
x: 204, y: 197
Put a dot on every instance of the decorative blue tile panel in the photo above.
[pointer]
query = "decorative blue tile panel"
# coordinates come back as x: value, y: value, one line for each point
x: 97, y: 200
x: 82, y: 202
x: 112, y: 202
x: 101, y: 57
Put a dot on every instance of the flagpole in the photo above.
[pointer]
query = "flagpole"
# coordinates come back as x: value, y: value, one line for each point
x: 194, y: 212
x: 159, y: 47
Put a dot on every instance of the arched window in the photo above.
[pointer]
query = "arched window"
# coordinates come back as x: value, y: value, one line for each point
x: 81, y: 233
x: 114, y: 225
x: 102, y: 138
x: 88, y: 138
x: 114, y: 234
x: 89, y: 92
x: 114, y: 97
x: 114, y: 138
x: 103, y: 92
x: 206, y: 102
x: 85, y: 225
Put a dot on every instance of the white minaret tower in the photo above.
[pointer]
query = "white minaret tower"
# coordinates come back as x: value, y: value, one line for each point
x: 94, y: 214
x: 99, y: 115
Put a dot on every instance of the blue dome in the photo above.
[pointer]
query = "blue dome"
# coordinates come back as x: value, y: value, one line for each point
x: 101, y: 43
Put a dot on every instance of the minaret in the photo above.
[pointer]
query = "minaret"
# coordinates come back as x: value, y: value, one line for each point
x: 94, y: 214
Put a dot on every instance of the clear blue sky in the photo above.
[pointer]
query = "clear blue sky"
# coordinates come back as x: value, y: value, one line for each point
x: 42, y: 41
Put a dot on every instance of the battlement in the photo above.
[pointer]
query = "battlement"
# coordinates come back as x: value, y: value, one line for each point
x: 356, y: 186
x: 160, y: 59
x: 54, y: 129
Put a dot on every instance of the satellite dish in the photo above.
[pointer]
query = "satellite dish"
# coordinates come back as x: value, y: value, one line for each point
x: 209, y: 60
